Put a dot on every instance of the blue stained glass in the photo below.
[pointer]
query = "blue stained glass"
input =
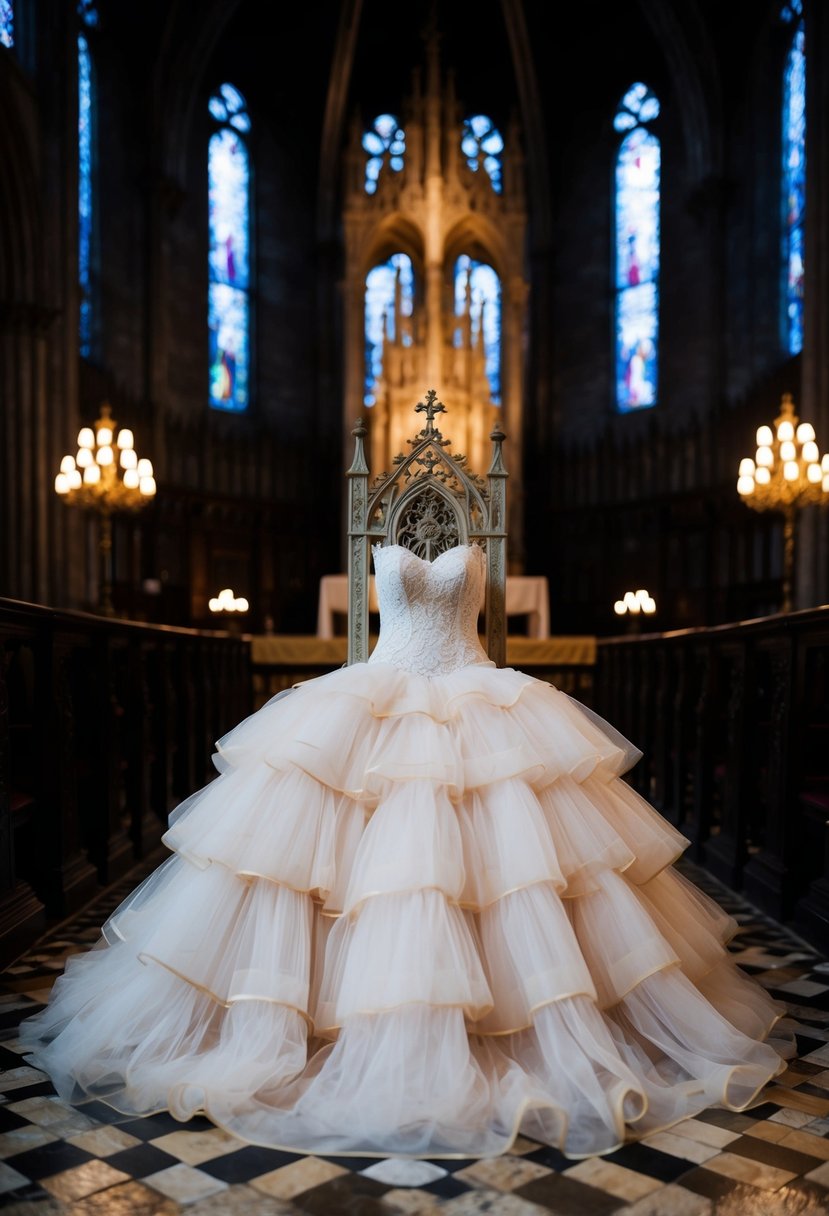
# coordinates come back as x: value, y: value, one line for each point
x: 382, y: 284
x: 88, y: 13
x: 794, y: 186
x: 482, y: 144
x: 639, y: 104
x: 86, y: 195
x: 385, y: 125
x: 229, y: 325
x: 637, y: 252
x: 385, y: 142
x: 6, y: 23
x: 233, y: 99
x: 634, y: 97
x: 637, y: 209
x: 636, y: 348
x: 478, y: 289
x: 228, y: 189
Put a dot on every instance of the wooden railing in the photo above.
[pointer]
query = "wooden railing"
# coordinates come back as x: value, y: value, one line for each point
x: 104, y: 726
x: 734, y: 724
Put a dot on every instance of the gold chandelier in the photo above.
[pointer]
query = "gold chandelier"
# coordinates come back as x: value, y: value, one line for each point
x: 786, y: 474
x: 105, y: 476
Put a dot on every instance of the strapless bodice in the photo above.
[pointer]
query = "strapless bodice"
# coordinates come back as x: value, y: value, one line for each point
x: 429, y: 610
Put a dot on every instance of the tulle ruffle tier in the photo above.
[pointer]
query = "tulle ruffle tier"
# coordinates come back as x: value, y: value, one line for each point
x: 415, y: 915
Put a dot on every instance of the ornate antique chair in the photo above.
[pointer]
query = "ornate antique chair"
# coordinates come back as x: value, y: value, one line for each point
x: 429, y: 503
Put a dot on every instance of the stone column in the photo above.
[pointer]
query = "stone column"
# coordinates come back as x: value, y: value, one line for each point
x: 513, y: 322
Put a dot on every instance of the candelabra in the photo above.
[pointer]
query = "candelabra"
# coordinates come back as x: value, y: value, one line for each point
x: 786, y: 474
x: 634, y: 605
x: 635, y: 602
x: 226, y: 601
x: 92, y: 479
x: 229, y: 608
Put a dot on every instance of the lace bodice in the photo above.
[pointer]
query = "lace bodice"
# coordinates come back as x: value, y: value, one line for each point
x: 429, y: 610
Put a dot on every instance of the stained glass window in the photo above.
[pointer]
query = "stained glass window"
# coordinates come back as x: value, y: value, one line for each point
x: 794, y: 180
x: 389, y: 288
x: 86, y: 196
x: 6, y: 23
x: 385, y: 143
x: 478, y: 297
x: 637, y: 251
x: 482, y: 145
x: 88, y: 13
x: 228, y: 188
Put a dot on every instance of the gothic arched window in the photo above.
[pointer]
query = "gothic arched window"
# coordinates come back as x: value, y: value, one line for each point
x: 637, y: 241
x: 229, y: 306
x: 87, y: 193
x: 794, y: 177
x: 478, y: 299
x: 482, y: 144
x: 389, y: 297
x: 385, y: 143
x: 6, y: 23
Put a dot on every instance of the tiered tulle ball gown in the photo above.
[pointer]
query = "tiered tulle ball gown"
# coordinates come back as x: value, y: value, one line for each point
x: 418, y: 911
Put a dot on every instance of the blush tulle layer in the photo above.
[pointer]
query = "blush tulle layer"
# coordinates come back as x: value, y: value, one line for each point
x: 415, y: 916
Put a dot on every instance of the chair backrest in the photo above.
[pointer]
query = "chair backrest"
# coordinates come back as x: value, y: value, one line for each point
x: 430, y: 502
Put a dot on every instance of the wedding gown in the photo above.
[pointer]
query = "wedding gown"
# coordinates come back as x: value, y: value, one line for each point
x: 418, y: 912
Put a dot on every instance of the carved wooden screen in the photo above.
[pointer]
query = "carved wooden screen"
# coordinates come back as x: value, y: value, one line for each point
x: 430, y: 502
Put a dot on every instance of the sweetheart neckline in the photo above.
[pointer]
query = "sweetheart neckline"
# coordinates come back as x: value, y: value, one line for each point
x: 425, y: 560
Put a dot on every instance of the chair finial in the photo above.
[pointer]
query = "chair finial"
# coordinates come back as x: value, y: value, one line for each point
x: 431, y: 406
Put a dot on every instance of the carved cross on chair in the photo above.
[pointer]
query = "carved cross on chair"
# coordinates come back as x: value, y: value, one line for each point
x: 429, y: 503
x: 432, y: 406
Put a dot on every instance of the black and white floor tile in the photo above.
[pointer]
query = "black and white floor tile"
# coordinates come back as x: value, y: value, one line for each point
x: 772, y: 1160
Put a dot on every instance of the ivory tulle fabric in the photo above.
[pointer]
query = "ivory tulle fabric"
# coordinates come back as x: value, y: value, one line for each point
x: 415, y: 915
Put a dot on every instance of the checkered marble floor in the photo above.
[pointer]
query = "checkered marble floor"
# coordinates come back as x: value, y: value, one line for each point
x: 772, y: 1160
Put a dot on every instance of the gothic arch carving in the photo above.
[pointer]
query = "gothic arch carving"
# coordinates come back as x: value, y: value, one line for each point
x: 435, y: 208
x: 429, y: 502
x: 394, y: 234
x: 480, y: 238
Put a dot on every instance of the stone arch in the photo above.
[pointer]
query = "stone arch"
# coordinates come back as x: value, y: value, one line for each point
x: 394, y: 234
x: 476, y: 235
